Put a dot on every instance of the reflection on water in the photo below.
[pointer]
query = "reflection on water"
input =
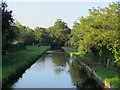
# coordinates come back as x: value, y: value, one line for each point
x: 54, y: 70
x: 60, y: 58
x: 80, y: 78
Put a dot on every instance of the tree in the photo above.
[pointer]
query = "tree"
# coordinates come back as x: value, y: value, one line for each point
x: 26, y: 35
x: 98, y: 32
x: 56, y: 35
x: 59, y: 33
x: 41, y: 35
x: 7, y: 20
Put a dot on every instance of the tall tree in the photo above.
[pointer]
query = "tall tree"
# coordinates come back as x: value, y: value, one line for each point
x: 26, y: 35
x: 41, y: 35
x: 7, y: 20
x: 98, y: 32
x: 59, y: 32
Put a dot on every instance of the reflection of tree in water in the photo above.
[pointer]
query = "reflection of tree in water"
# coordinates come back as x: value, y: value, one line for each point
x: 80, y: 77
x: 59, y: 59
x: 90, y: 83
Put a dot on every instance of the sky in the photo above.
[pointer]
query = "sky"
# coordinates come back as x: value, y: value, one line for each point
x: 43, y: 14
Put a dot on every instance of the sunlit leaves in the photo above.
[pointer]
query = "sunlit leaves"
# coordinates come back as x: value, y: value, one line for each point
x: 100, y: 30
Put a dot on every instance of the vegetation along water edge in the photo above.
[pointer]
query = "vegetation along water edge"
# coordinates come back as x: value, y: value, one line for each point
x: 106, y: 76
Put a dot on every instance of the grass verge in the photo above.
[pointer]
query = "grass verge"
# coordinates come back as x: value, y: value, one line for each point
x: 17, y: 60
x: 108, y: 75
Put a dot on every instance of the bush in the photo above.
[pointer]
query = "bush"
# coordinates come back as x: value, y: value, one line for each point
x: 13, y: 47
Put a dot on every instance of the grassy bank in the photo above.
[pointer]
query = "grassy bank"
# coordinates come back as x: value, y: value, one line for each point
x: 13, y: 62
x: 108, y: 75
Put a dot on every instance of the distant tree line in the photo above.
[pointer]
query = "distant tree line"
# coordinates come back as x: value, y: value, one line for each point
x: 15, y: 35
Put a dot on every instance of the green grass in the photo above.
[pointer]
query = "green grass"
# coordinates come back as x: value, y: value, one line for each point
x: 110, y: 76
x: 14, y: 61
x: 72, y: 51
x: 69, y: 49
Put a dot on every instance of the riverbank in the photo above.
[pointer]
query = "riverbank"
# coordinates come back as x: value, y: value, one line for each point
x: 16, y: 62
x: 108, y: 76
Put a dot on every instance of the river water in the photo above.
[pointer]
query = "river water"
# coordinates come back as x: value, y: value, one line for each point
x: 55, y: 69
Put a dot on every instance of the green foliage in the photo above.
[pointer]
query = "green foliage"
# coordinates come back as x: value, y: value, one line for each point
x: 7, y: 20
x: 59, y: 33
x: 25, y: 35
x: 42, y: 36
x: 13, y: 31
x: 99, y: 30
x: 15, y: 47
x: 56, y: 35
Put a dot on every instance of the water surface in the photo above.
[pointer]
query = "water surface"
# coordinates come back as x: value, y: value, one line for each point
x: 55, y: 69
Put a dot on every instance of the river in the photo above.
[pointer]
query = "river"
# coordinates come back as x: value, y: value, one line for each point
x: 55, y: 69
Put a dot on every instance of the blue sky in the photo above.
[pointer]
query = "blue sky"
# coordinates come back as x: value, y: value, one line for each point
x: 44, y: 14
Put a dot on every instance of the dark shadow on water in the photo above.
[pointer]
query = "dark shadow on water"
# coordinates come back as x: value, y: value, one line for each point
x: 81, y: 79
